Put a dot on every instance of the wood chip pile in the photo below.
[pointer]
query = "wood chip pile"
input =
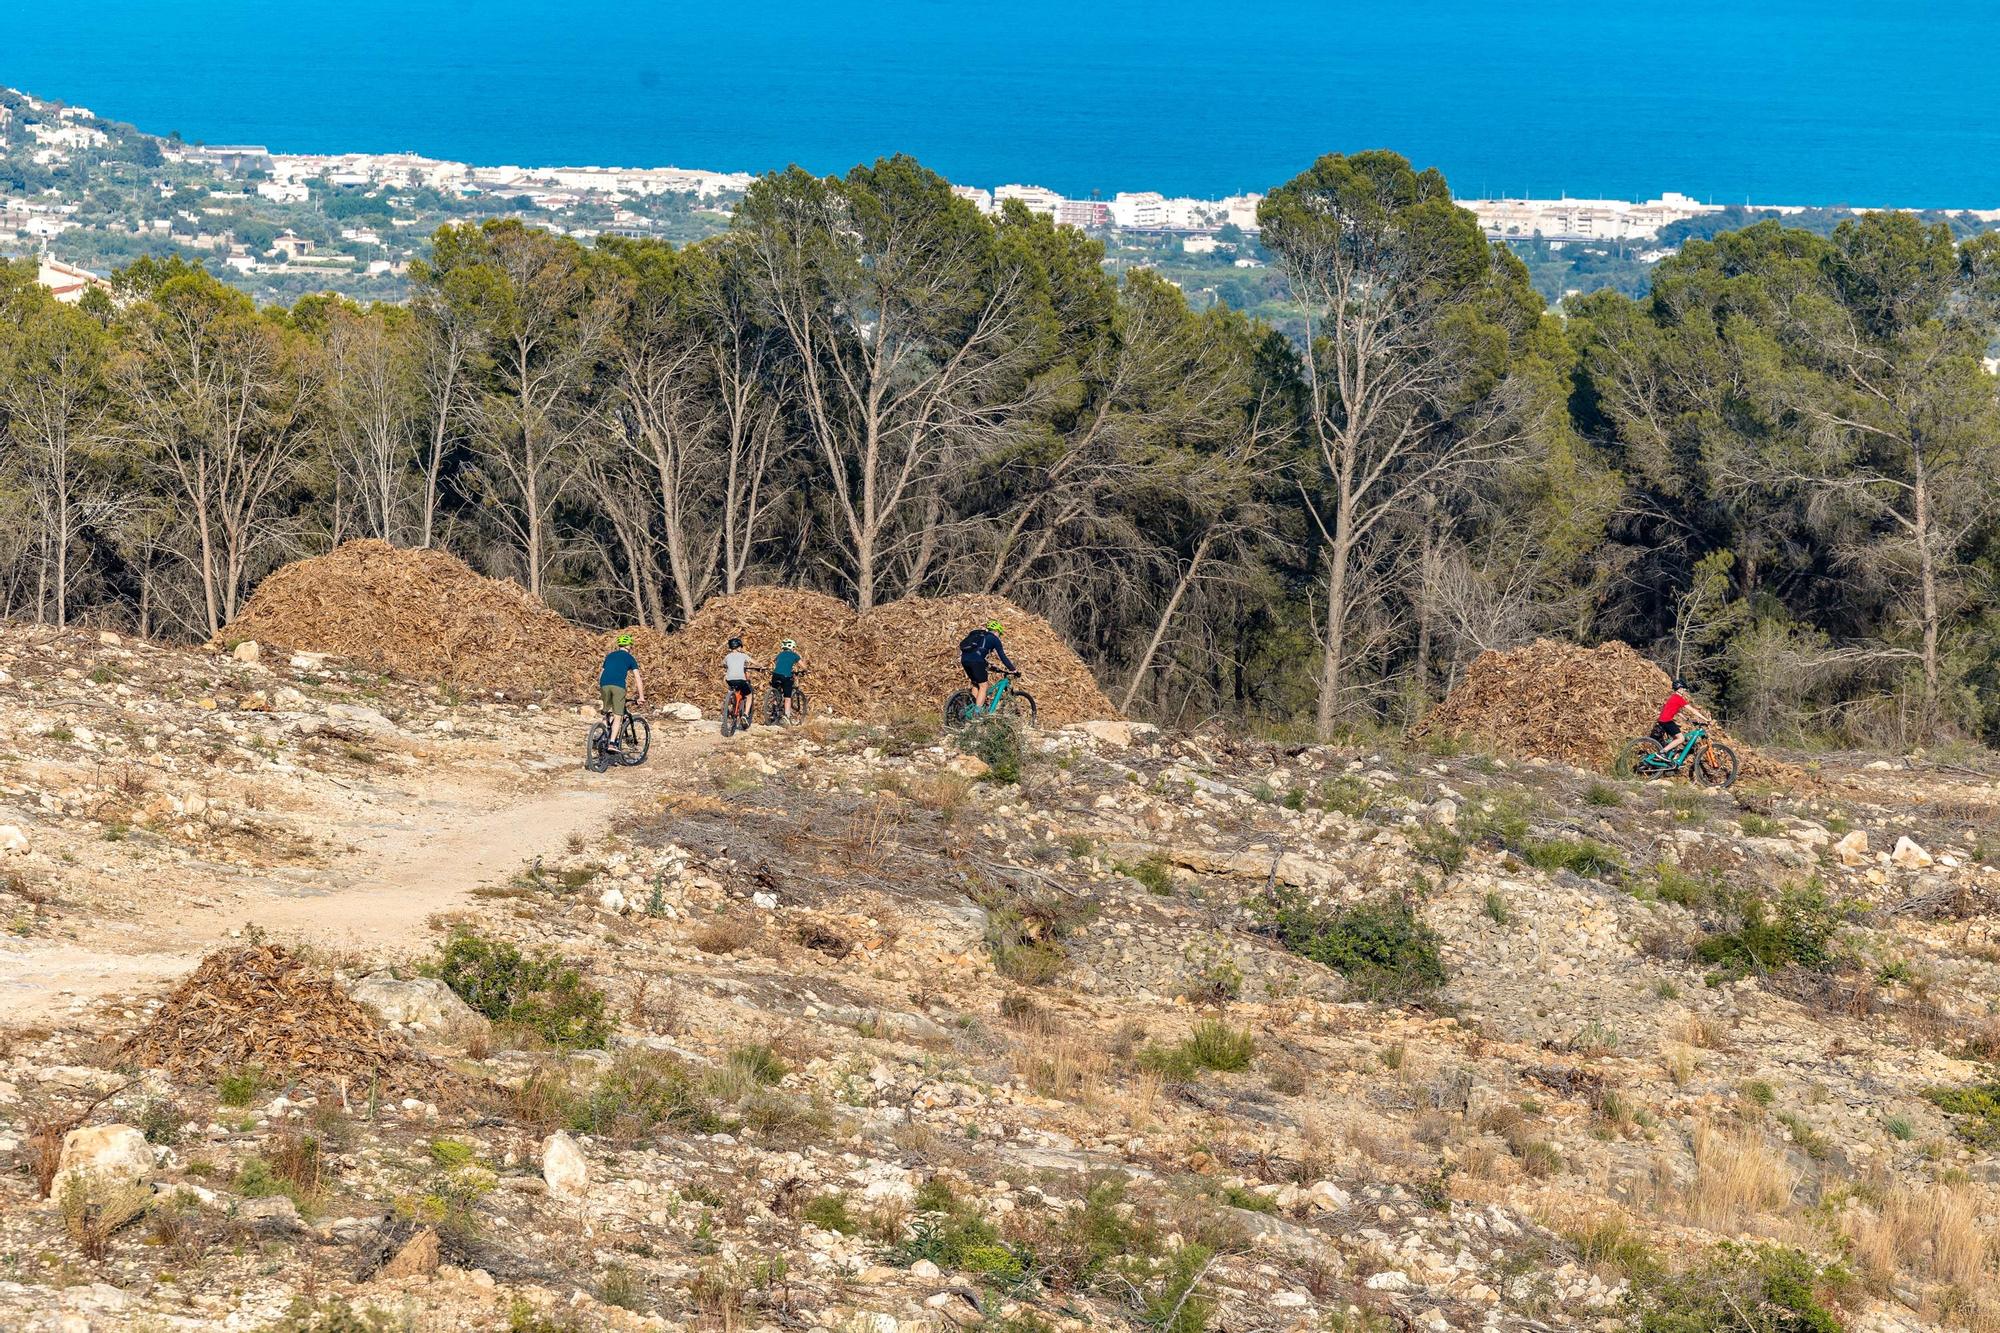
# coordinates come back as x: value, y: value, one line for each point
x: 428, y: 616
x: 909, y: 649
x: 1569, y: 704
x: 260, y: 1007
x: 424, y: 614
x: 896, y: 657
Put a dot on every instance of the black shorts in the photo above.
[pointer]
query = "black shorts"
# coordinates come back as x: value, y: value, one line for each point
x: 975, y: 667
x: 783, y: 685
x: 1664, y: 732
x: 741, y: 687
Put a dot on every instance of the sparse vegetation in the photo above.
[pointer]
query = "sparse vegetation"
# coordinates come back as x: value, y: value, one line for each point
x: 540, y: 993
x: 1382, y: 948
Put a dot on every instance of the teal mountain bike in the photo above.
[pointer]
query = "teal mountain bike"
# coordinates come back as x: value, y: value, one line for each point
x: 1706, y: 761
x: 1006, y: 699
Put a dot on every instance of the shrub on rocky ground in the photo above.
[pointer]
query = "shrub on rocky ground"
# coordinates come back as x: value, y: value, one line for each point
x: 1795, y: 931
x: 997, y: 741
x: 539, y: 993
x: 1742, y: 1289
x: 1383, y: 948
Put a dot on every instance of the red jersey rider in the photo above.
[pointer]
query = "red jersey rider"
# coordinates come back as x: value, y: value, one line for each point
x: 1676, y: 706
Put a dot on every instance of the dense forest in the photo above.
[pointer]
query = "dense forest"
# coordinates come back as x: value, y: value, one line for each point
x: 1777, y: 470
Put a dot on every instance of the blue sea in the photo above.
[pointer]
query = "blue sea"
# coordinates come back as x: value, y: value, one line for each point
x: 1837, y: 101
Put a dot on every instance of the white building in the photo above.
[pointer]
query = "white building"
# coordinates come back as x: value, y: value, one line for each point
x: 66, y: 282
x: 1203, y: 244
x: 1035, y: 198
x: 980, y: 199
x: 1145, y: 211
x: 284, y: 192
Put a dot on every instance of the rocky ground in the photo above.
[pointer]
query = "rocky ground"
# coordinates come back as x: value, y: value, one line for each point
x: 857, y: 1027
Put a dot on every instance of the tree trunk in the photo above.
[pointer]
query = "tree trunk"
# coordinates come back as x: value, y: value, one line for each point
x: 1166, y: 617
x: 1927, y: 573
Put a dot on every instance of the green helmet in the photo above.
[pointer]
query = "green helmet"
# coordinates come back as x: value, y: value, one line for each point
x: 788, y: 645
x: 626, y: 641
x: 993, y: 625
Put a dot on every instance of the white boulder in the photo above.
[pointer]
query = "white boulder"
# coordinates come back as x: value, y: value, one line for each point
x: 564, y: 1168
x: 431, y: 1010
x: 1852, y: 849
x: 110, y: 1154
x: 1909, y: 856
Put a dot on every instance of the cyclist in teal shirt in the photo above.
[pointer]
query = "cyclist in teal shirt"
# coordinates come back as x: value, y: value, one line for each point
x: 784, y: 672
x: 620, y: 668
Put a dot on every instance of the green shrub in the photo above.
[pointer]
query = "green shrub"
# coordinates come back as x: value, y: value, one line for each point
x: 1349, y: 795
x: 1024, y: 934
x: 1383, y: 949
x: 1974, y: 1110
x: 240, y: 1088
x: 1436, y: 845
x: 1579, y: 857
x: 542, y: 993
x: 997, y: 741
x: 1765, y: 1289
x: 829, y: 1212
x: 1496, y: 908
x: 641, y: 1091
x: 1671, y: 884
x: 758, y: 1063
x: 1215, y: 1045
x: 1602, y: 795
x: 1153, y: 872
x: 1759, y: 826
x: 1797, y: 932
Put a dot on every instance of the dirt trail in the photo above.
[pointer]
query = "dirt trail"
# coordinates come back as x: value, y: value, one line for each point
x: 450, y: 838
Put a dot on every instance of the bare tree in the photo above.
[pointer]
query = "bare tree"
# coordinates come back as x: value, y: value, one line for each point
x: 905, y: 337
x: 546, y: 322
x: 217, y: 396
x: 1407, y: 341
x: 53, y: 400
x: 372, y: 406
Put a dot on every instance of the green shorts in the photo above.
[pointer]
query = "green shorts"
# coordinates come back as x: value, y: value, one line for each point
x: 614, y: 698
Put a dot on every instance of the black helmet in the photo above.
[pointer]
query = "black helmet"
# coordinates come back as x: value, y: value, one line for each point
x: 735, y: 641
x: 1680, y: 683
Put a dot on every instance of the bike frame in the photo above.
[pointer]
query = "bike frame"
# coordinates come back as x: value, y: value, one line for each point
x: 1661, y: 759
x: 999, y: 692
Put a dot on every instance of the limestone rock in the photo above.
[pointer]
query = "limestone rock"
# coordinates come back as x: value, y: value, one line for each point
x: 12, y: 839
x: 1852, y: 849
x: 681, y: 712
x: 105, y: 1152
x: 614, y: 902
x: 247, y: 651
x: 432, y: 1011
x: 418, y: 1257
x: 564, y: 1168
x: 1111, y: 733
x: 1909, y: 856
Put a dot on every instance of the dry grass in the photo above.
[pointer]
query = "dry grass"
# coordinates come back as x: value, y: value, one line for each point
x: 1060, y: 1064
x: 1736, y: 1178
x: 93, y: 1209
x: 1680, y: 1061
x: 1707, y: 1033
x: 725, y: 934
x: 944, y: 792
x: 1929, y: 1230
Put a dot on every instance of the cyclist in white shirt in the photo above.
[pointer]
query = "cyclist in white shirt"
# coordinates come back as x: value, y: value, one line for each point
x: 736, y: 668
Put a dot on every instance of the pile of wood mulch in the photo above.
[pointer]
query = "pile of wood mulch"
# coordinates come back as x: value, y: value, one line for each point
x: 262, y: 1008
x: 428, y: 616
x: 1571, y: 705
x: 421, y: 614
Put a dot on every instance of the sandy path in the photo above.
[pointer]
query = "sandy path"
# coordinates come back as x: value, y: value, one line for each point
x: 425, y: 858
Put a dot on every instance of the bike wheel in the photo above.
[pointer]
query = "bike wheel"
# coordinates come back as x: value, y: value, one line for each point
x: 1640, y: 758
x: 1017, y: 705
x: 1714, y: 766
x: 594, y: 757
x: 638, y: 741
x: 729, y: 715
x: 958, y: 708
x: 800, y: 705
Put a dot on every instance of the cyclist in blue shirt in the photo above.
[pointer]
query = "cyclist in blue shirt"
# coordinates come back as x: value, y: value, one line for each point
x: 784, y: 673
x: 973, y: 651
x: 621, y: 671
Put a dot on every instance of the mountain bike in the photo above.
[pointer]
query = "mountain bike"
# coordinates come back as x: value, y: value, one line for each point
x: 777, y: 714
x: 632, y: 750
x: 1708, y: 762
x: 1006, y: 700
x: 738, y: 712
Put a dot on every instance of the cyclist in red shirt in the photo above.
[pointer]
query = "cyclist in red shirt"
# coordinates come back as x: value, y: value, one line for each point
x: 1676, y: 705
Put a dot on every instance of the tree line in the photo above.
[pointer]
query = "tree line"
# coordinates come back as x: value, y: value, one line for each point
x: 1778, y: 471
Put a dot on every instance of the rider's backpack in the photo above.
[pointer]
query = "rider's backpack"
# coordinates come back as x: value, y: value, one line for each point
x: 972, y: 643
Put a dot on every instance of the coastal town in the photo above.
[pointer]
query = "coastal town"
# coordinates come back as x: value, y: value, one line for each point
x: 85, y: 195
